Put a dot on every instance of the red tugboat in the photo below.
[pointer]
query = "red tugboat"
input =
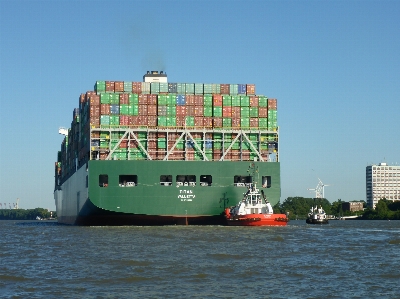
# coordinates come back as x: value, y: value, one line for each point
x: 254, y: 210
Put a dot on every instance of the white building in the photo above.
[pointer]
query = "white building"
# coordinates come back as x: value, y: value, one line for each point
x: 383, y: 181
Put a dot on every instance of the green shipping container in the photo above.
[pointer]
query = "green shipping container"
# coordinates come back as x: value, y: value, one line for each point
x: 244, y: 101
x: 171, y: 100
x: 155, y: 87
x: 114, y: 98
x: 263, y: 123
x: 227, y: 122
x: 208, y: 100
x: 198, y: 88
x: 124, y: 109
x: 163, y: 87
x: 114, y: 120
x: 100, y: 86
x: 127, y: 86
x: 162, y: 121
x: 190, y: 121
x: 245, y: 123
x: 171, y: 122
x: 171, y: 110
x: 162, y: 99
x: 233, y: 89
x: 217, y: 111
x: 236, y: 101
x: 133, y: 99
x: 253, y: 111
x: 245, y: 112
x: 133, y: 109
x: 180, y: 88
x: 189, y: 88
x: 226, y: 101
x: 208, y: 111
x: 104, y: 120
x: 104, y: 98
x: 262, y: 101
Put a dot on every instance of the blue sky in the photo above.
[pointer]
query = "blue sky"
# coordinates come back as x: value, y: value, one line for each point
x: 334, y: 67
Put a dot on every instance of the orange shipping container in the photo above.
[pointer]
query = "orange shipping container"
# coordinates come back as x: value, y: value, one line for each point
x: 227, y: 111
x: 250, y: 89
x: 119, y: 86
x: 151, y: 110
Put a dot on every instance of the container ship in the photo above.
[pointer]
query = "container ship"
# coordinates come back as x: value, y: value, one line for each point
x: 160, y: 153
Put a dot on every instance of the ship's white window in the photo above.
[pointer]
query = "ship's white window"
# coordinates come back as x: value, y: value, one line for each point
x: 205, y: 180
x: 103, y: 180
x: 186, y: 180
x: 128, y: 180
x: 166, y: 180
x: 241, y: 180
x: 266, y: 181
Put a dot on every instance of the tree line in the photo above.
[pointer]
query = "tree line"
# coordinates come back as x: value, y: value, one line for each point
x: 21, y: 214
x: 299, y: 207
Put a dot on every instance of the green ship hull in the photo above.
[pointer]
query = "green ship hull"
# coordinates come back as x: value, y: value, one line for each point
x: 84, y: 199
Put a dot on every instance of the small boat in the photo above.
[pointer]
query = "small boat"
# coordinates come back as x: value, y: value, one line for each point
x: 317, y: 216
x: 254, y: 210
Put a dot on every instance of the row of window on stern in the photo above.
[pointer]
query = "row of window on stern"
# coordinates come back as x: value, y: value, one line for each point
x: 183, y: 180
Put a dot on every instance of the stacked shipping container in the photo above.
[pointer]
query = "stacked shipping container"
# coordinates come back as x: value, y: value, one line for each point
x: 118, y: 105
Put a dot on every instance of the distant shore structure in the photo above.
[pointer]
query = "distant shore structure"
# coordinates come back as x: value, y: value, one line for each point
x: 382, y: 181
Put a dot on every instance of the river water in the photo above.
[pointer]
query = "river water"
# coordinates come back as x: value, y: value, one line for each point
x: 344, y: 259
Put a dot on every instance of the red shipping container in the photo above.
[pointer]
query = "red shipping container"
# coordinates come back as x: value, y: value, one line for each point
x: 132, y: 120
x: 227, y: 111
x: 217, y: 154
x: 236, y: 122
x: 198, y: 110
x: 143, y: 99
x: 152, y: 121
x: 95, y: 121
x: 272, y: 104
x: 235, y: 155
x: 245, y: 155
x: 173, y: 136
x: 199, y: 100
x: 151, y: 110
x: 225, y: 89
x: 253, y: 122
x: 119, y: 86
x: 207, y: 122
x: 133, y: 144
x: 198, y: 122
x: 123, y: 144
x: 94, y: 99
x: 105, y: 109
x: 142, y: 120
x: 217, y: 122
x: 152, y: 99
x: 94, y: 111
x: 250, y: 89
x: 190, y: 99
x: 180, y: 111
x: 236, y: 111
x: 262, y: 112
x: 124, y: 120
x: 137, y: 87
x: 196, y: 135
x: 217, y: 99
x: 180, y: 121
x: 190, y: 110
x: 110, y: 86
x: 124, y: 99
x: 253, y: 101
x: 142, y: 109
